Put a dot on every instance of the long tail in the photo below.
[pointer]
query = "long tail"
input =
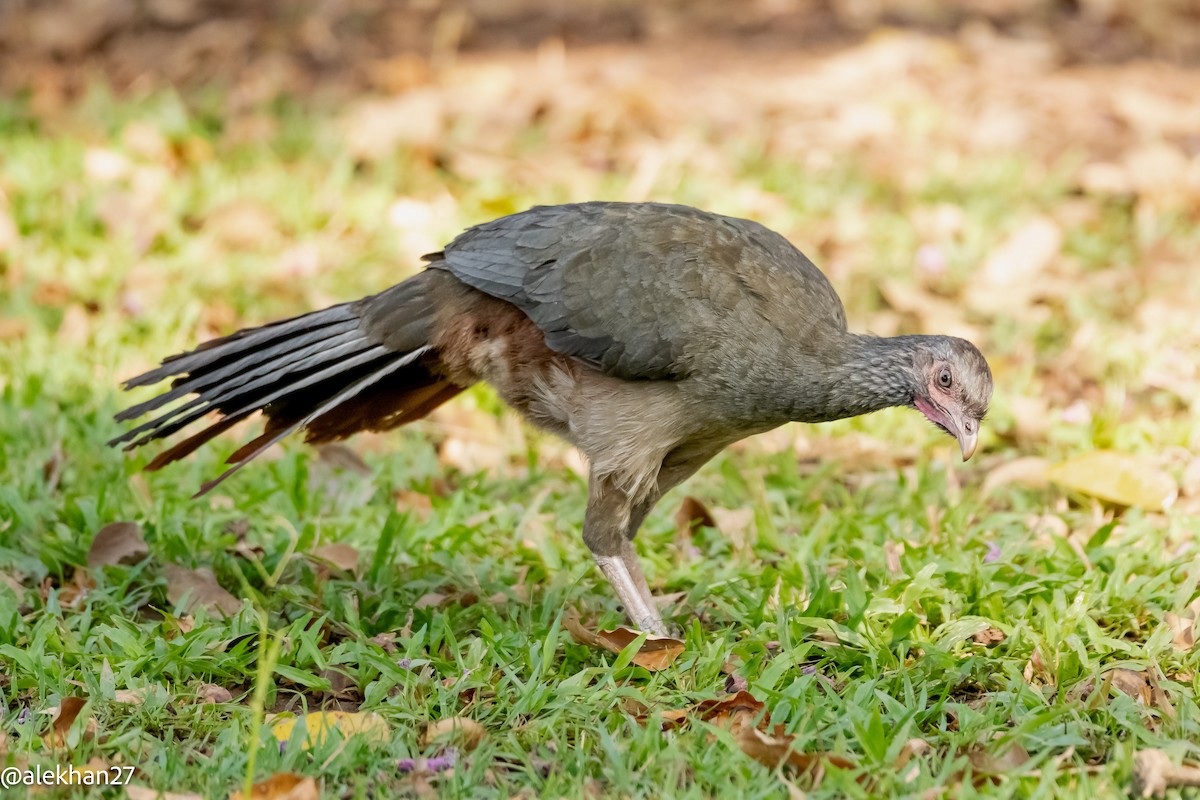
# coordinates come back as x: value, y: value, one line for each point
x: 351, y: 367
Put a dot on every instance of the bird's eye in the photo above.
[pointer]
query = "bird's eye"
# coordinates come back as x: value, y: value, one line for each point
x: 944, y: 379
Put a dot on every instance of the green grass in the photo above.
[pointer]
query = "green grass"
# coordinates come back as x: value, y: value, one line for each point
x: 853, y: 656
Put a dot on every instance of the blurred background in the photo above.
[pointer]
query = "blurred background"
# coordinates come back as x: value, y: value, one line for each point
x: 1025, y: 173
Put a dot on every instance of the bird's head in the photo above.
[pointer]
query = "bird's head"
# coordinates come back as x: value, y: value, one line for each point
x: 952, y: 389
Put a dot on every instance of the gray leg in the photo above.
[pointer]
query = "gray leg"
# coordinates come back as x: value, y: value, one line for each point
x: 604, y: 525
x: 676, y: 468
x: 633, y: 593
x: 629, y: 558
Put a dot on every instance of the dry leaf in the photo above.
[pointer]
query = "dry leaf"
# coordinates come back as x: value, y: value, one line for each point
x: 737, y: 525
x: 1009, y: 278
x: 132, y: 697
x: 1182, y: 629
x: 64, y: 715
x: 1130, y: 683
x: 1002, y: 763
x: 12, y: 329
x: 692, y: 514
x: 211, y: 693
x: 1119, y: 478
x: 1154, y: 773
x: 912, y: 749
x: 1158, y: 696
x: 472, y: 455
x: 777, y: 750
x: 1026, y: 471
x: 282, y: 786
x: 341, y: 456
x: 988, y: 636
x: 318, y: 724
x: 339, y: 554
x: 71, y: 594
x: 467, y: 733
x: 117, y: 543
x: 747, y: 719
x: 892, y: 550
x: 432, y: 600
x: 742, y: 708
x: 242, y: 225
x: 201, y: 590
x: 656, y: 653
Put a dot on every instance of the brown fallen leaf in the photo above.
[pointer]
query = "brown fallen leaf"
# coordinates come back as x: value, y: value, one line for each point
x: 988, y: 636
x: 70, y: 595
x: 432, y: 600
x: 117, y: 543
x: 1130, y: 683
x: 1154, y: 773
x: 211, y: 693
x: 200, y: 589
x: 1158, y: 696
x: 737, y: 525
x: 339, y: 554
x: 778, y: 750
x: 1183, y: 630
x: 64, y: 716
x: 742, y: 708
x: 997, y: 764
x: 912, y: 749
x: 748, y: 720
x: 282, y: 786
x: 692, y: 514
x: 1119, y: 478
x: 465, y: 732
x: 341, y: 456
x: 130, y: 697
x: 656, y: 653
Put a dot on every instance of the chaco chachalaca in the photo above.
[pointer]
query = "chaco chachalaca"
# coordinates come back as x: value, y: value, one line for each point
x: 648, y: 335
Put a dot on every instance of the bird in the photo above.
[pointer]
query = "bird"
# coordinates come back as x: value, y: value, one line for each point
x: 649, y: 335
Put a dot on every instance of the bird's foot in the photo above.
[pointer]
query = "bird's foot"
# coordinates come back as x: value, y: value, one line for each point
x: 652, y: 625
x: 633, y: 594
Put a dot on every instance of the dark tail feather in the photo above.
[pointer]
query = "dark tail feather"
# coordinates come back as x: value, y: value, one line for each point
x: 329, y: 372
x: 247, y: 452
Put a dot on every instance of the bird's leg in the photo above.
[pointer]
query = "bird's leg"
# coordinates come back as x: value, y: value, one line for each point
x: 676, y: 468
x: 629, y: 551
x: 634, y: 594
x: 607, y: 519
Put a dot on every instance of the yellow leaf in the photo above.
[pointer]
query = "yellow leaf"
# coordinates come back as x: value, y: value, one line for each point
x: 1119, y: 478
x: 318, y: 724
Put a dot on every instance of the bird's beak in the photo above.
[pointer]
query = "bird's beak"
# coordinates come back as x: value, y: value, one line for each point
x: 966, y: 430
x: 954, y: 422
x: 967, y: 442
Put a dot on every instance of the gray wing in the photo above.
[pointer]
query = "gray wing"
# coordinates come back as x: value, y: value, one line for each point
x: 641, y: 290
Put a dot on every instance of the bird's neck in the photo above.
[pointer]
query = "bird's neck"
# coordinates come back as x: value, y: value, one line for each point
x: 870, y: 373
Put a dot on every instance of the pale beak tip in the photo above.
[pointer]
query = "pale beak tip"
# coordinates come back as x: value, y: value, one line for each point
x: 967, y: 443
